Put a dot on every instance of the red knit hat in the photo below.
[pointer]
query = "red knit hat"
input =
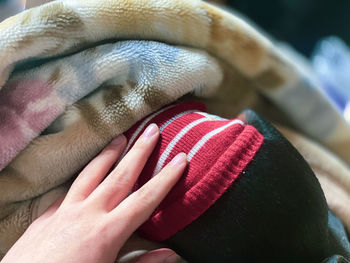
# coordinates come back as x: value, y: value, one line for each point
x: 217, y: 151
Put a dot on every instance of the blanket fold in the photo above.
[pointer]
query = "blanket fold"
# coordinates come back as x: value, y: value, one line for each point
x: 33, y: 98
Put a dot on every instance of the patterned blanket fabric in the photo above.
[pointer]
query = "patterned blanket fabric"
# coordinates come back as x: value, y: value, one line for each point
x: 31, y: 99
x: 74, y: 74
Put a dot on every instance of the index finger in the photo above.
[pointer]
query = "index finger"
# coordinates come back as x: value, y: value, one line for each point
x: 138, y: 207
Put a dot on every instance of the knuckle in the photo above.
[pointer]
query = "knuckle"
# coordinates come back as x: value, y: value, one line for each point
x: 141, y: 144
x: 120, y: 182
x: 117, y: 181
x: 121, y: 176
x: 146, y: 195
x: 138, y: 149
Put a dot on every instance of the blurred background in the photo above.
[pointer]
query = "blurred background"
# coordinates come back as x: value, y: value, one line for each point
x: 301, y: 23
x: 10, y: 7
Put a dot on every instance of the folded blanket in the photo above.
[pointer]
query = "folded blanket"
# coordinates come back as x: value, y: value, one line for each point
x: 32, y: 99
x: 53, y: 56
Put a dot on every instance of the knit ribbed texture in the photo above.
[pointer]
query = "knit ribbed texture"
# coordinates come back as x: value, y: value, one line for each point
x: 217, y: 151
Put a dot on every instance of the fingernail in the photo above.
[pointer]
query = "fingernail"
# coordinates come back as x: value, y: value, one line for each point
x: 118, y: 140
x: 174, y: 258
x: 151, y: 130
x: 178, y: 160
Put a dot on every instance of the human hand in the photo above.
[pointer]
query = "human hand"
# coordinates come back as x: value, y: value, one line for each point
x: 96, y: 217
x: 162, y: 255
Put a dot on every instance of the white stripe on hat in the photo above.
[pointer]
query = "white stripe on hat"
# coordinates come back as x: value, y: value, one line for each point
x: 174, y: 141
x: 139, y: 129
x: 207, y: 137
x: 175, y: 118
x: 212, y: 117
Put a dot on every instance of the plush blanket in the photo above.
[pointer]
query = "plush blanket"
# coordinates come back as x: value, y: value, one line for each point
x: 74, y: 74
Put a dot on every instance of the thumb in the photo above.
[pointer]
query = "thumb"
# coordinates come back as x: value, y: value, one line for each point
x: 163, y: 255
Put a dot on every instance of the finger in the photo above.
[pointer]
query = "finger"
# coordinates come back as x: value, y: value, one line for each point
x: 119, y: 182
x: 96, y: 170
x: 137, y: 208
x: 160, y: 256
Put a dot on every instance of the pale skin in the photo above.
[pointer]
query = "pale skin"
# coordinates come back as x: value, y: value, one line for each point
x: 98, y: 214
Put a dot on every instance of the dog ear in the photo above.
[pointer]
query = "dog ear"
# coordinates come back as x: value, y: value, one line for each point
x: 274, y: 211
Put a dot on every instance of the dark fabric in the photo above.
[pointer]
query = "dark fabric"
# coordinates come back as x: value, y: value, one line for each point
x: 301, y: 23
x: 338, y: 240
x: 275, y: 212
